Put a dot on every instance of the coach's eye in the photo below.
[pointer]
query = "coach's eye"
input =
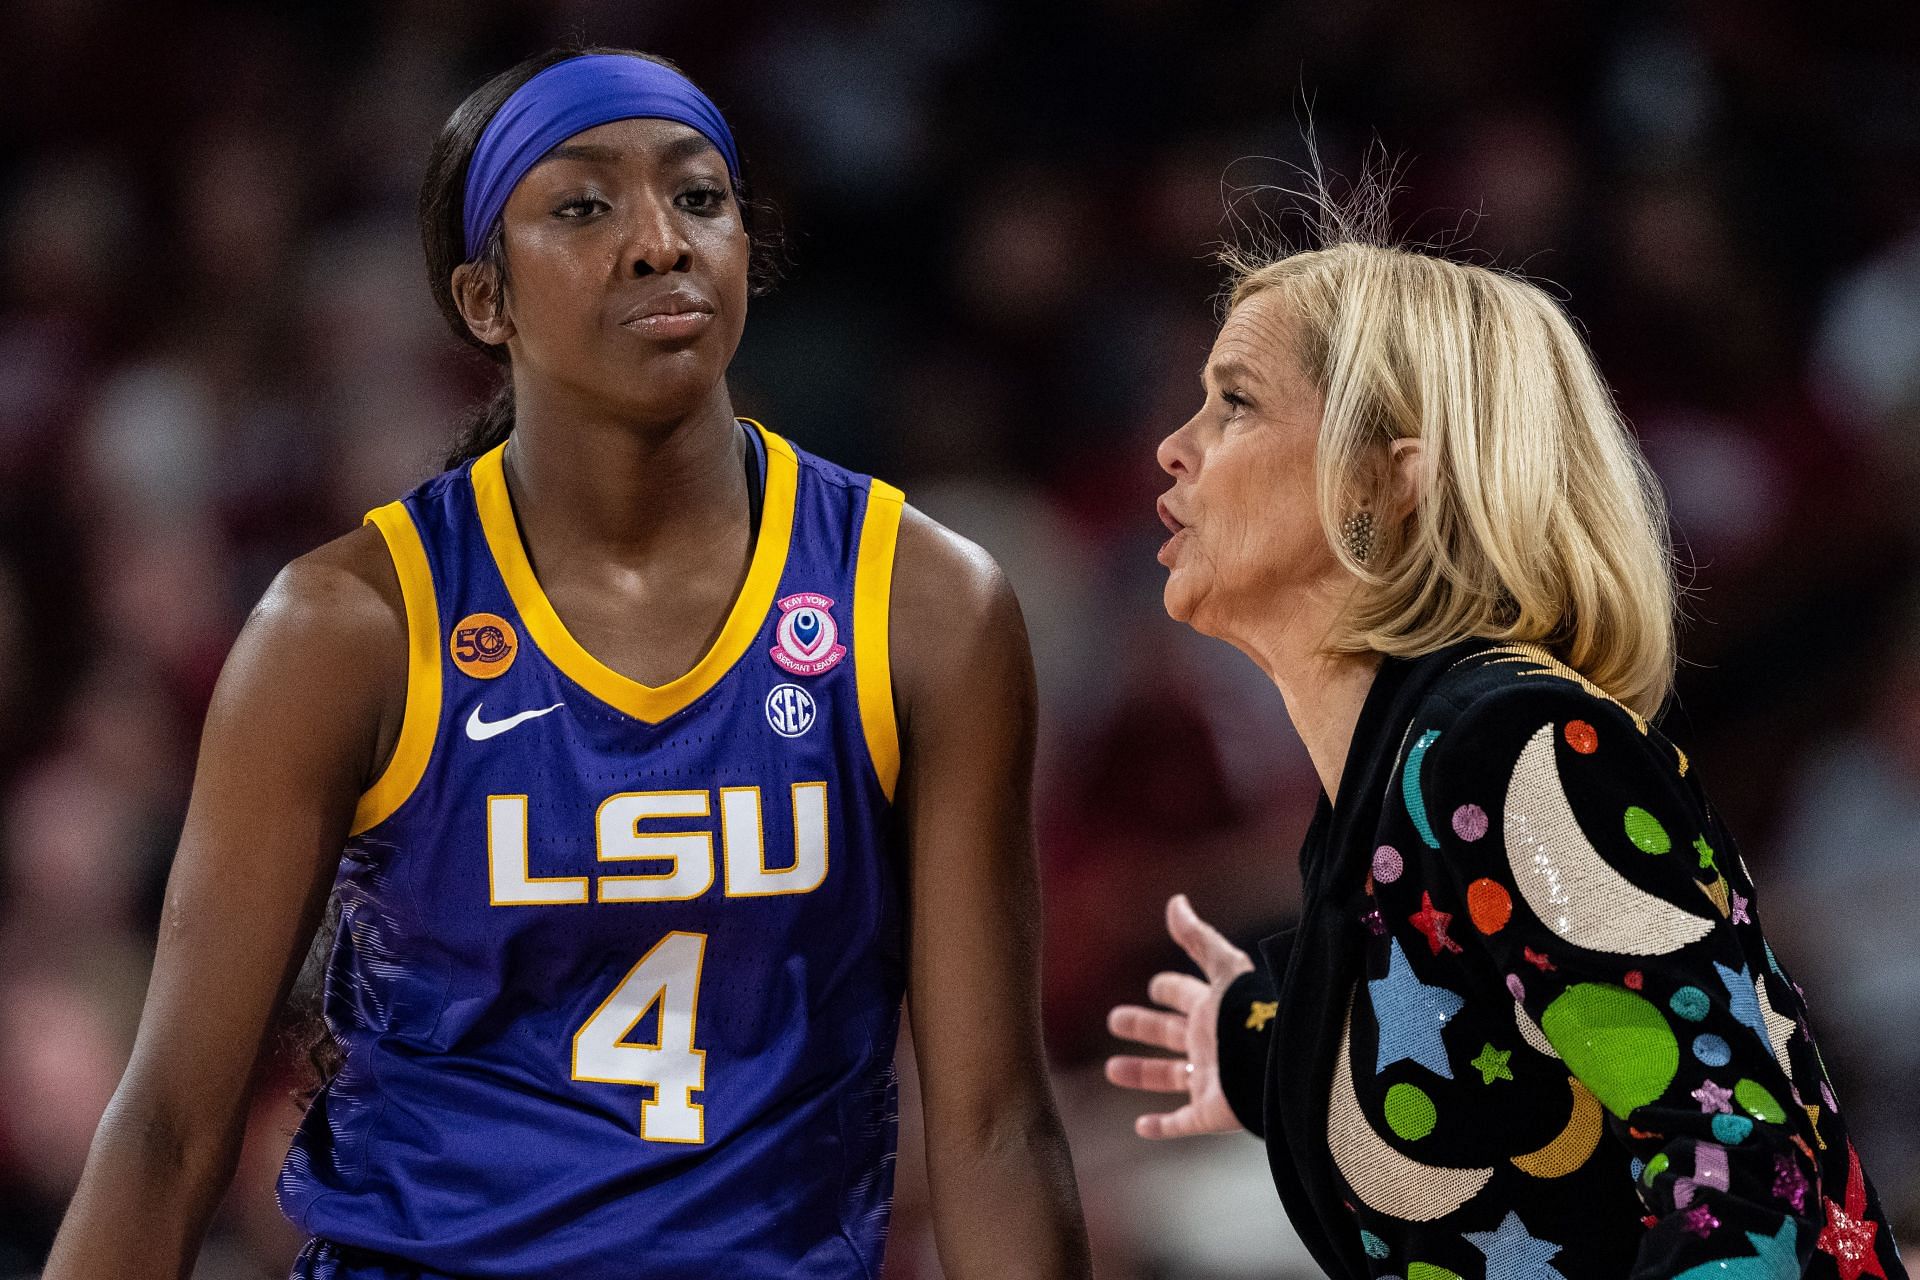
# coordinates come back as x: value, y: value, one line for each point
x: 1234, y: 399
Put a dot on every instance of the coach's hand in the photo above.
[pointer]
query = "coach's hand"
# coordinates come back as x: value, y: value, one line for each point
x: 1188, y: 1029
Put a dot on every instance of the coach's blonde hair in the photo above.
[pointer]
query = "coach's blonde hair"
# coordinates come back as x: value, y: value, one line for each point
x: 1538, y: 519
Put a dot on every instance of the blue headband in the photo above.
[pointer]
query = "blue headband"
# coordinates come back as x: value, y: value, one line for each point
x: 565, y: 99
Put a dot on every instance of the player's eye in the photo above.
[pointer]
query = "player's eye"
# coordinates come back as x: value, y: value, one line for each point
x: 578, y: 207
x: 704, y: 197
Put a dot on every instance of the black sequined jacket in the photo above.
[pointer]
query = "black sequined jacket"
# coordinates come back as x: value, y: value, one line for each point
x: 1529, y: 1027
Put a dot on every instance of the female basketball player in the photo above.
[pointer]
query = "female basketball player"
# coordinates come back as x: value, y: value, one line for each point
x: 664, y: 757
x: 1528, y: 1027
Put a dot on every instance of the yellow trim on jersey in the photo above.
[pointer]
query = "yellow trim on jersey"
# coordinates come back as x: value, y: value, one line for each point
x: 642, y: 701
x: 872, y: 596
x: 420, y: 721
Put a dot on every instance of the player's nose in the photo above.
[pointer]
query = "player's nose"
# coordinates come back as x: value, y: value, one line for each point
x: 655, y: 243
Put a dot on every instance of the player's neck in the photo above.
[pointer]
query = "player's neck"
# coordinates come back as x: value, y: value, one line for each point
x: 628, y: 489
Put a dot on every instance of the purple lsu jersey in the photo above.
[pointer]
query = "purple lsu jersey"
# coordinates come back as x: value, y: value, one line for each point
x: 619, y: 967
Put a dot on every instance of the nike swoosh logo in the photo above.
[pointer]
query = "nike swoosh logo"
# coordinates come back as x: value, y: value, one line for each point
x: 480, y: 730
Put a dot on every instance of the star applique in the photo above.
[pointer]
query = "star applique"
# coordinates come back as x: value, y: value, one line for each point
x: 1713, y: 1097
x: 1740, y: 915
x: 1434, y: 924
x: 1701, y: 1222
x: 1410, y: 1014
x: 1849, y: 1233
x: 1513, y: 1253
x: 1261, y: 1013
x: 1538, y: 959
x: 1774, y: 1257
x: 1705, y: 850
x: 1789, y: 1184
x: 1743, y: 1000
x: 1492, y: 1063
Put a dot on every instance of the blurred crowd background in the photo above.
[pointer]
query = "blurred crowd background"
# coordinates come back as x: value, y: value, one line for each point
x: 217, y: 349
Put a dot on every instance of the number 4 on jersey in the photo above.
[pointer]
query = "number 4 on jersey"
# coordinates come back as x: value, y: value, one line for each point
x: 667, y: 976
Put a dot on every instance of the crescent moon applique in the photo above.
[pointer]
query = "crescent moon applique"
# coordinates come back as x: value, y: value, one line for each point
x: 1574, y: 1145
x: 1410, y: 787
x: 1566, y: 881
x: 1530, y: 1032
x: 1382, y: 1178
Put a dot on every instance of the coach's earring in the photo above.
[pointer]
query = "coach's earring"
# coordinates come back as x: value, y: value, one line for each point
x: 1356, y: 533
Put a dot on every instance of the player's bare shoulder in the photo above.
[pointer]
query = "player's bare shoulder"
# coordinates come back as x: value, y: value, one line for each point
x: 327, y: 644
x: 955, y: 618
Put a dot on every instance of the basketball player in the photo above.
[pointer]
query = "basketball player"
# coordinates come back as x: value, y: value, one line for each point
x: 665, y: 758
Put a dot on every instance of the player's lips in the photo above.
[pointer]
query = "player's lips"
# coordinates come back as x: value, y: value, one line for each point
x: 680, y: 313
x: 1174, y: 527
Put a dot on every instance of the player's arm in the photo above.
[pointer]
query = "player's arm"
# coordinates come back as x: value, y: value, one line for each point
x: 305, y: 709
x: 1004, y: 1200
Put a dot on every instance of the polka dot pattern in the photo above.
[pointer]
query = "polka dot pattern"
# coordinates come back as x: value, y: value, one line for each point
x: 1387, y: 864
x: 1489, y: 905
x: 1711, y: 1049
x: 1731, y: 1129
x: 1615, y: 1042
x: 1470, y: 822
x: 1690, y: 1003
x: 1645, y: 831
x: 1758, y: 1103
x: 1410, y: 1112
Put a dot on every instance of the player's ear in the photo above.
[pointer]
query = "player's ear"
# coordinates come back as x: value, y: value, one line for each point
x: 478, y: 292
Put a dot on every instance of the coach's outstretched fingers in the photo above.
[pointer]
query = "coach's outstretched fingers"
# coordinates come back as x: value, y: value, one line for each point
x: 1184, y: 1024
x: 1206, y: 945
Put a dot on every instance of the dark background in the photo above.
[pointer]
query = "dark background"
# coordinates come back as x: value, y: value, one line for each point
x: 217, y: 349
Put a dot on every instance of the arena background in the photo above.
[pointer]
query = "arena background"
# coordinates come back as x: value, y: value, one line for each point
x: 217, y: 350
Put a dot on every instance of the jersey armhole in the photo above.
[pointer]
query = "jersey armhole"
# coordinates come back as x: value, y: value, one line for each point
x: 420, y: 720
x: 872, y: 598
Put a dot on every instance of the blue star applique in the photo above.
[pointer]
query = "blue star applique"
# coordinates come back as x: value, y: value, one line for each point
x: 1513, y: 1253
x: 1743, y: 1000
x: 1410, y: 1014
x: 1774, y: 1257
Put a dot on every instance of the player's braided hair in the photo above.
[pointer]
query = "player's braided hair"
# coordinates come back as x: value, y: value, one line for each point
x: 442, y: 234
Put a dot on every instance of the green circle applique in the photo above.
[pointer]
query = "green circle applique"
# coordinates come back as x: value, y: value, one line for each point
x: 1428, y: 1271
x: 1614, y: 1042
x: 1410, y: 1112
x: 1645, y: 831
x: 1757, y: 1102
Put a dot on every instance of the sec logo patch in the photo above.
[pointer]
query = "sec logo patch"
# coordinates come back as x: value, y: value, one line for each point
x: 483, y: 645
x: 790, y: 710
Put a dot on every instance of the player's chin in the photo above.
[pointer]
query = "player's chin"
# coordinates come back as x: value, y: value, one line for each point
x: 666, y: 379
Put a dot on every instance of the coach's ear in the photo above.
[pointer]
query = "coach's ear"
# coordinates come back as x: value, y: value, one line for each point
x: 1406, y: 476
x: 482, y: 299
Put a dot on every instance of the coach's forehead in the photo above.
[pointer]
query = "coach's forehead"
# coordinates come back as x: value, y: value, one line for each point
x: 1256, y: 344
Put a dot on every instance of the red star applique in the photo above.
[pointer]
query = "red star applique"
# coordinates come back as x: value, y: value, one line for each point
x: 1433, y: 924
x: 1848, y: 1235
